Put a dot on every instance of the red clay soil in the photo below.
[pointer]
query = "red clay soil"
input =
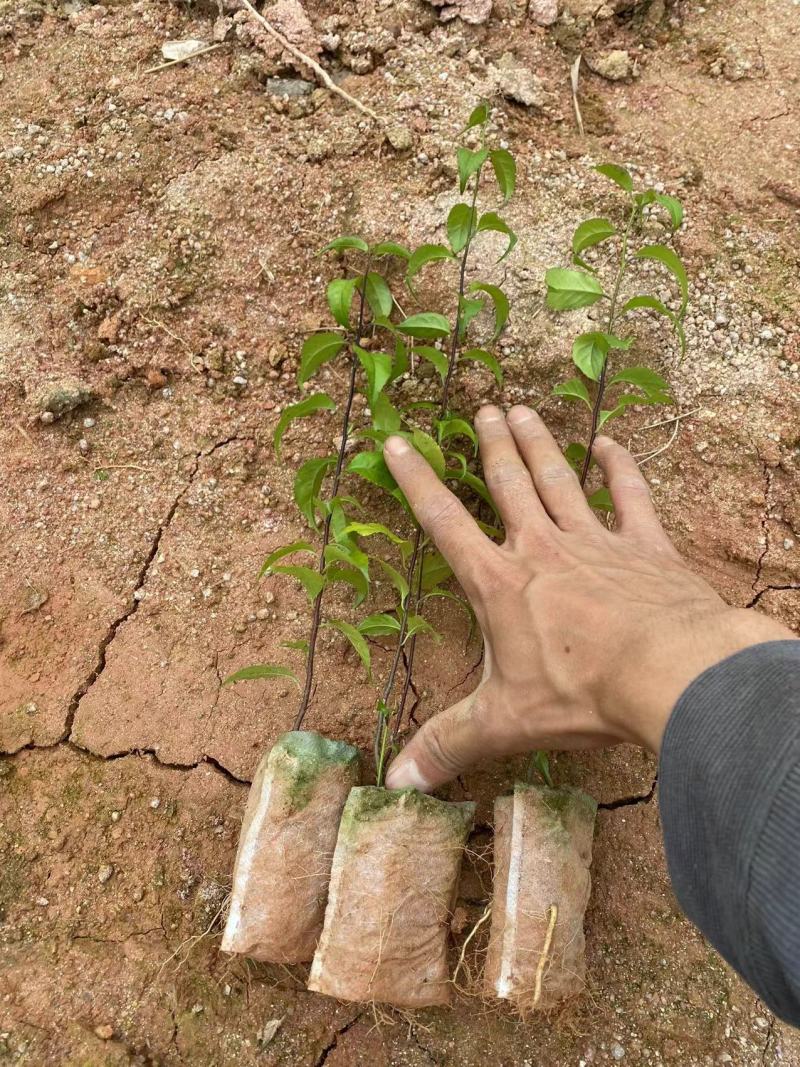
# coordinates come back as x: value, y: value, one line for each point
x: 393, y: 886
x: 283, y: 863
x: 158, y: 239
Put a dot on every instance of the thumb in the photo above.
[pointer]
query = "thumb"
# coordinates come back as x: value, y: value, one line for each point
x: 443, y: 747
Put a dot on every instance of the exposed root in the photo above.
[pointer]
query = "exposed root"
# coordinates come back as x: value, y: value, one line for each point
x: 191, y: 942
x: 544, y: 958
x: 461, y: 959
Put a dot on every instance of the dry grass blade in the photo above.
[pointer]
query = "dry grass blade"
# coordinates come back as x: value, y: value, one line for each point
x: 574, y: 78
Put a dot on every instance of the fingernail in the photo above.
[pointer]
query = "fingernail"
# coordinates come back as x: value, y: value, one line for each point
x: 404, y: 773
x: 395, y: 446
x: 519, y: 413
x: 488, y: 413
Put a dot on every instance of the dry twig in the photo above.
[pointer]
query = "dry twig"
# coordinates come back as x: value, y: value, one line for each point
x: 183, y: 59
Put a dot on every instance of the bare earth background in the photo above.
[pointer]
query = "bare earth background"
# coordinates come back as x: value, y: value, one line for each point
x: 157, y: 240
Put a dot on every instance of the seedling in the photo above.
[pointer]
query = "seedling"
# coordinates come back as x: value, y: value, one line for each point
x: 592, y: 352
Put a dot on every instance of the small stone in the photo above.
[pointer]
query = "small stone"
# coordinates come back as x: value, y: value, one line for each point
x: 42, y: 902
x: 400, y: 138
x: 155, y: 378
x: 138, y: 895
x: 116, y: 816
x: 617, y: 1051
x: 172, y: 50
x: 105, y: 873
x: 614, y: 66
x: 475, y: 12
x: 93, y: 503
x: 105, y: 1032
x: 58, y: 398
x: 88, y: 424
x: 516, y: 82
x: 197, y: 1009
x: 788, y: 543
x: 83, y: 445
x: 47, y: 417
x: 155, y: 803
x: 288, y: 87
x: 543, y: 12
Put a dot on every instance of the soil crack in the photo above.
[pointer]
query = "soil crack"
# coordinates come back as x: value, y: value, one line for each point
x: 765, y: 532
x: 334, y: 1040
x: 631, y: 801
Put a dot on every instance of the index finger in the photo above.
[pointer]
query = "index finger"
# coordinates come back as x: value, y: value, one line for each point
x: 440, y: 513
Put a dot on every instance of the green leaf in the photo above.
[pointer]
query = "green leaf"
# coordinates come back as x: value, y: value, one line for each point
x: 316, y: 402
x: 350, y: 554
x: 279, y: 553
x: 260, y: 670
x: 370, y: 529
x: 575, y: 455
x: 380, y: 625
x: 397, y: 579
x: 623, y: 402
x: 589, y: 351
x: 296, y: 646
x: 574, y: 389
x: 469, y: 163
x: 571, y: 289
x: 318, y: 349
x: 427, y: 324
x: 618, y: 175
x: 505, y: 171
x: 391, y: 248
x: 377, y: 368
x: 479, y: 115
x: 429, y: 450
x: 671, y: 260
x: 477, y: 485
x: 312, y: 581
x: 540, y: 762
x: 356, y: 639
x: 591, y: 232
x: 653, y: 385
x: 400, y: 361
x: 386, y: 418
x: 468, y: 310
x: 378, y: 295
x: 601, y: 499
x: 372, y: 467
x: 435, y: 570
x: 340, y: 299
x: 673, y: 207
x: 423, y: 255
x: 500, y: 301
x: 491, y: 221
x: 350, y: 577
x: 417, y: 625
x: 453, y: 427
x: 434, y: 356
x: 480, y: 355
x: 307, y: 484
x: 447, y: 595
x: 343, y: 243
x: 460, y: 225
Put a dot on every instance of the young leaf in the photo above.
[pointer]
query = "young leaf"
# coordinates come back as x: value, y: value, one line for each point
x: 279, y: 553
x: 623, y: 402
x: 296, y: 646
x: 429, y: 450
x: 500, y: 301
x: 490, y: 220
x: 416, y: 624
x: 589, y: 353
x: 340, y: 299
x: 434, y: 356
x: 673, y: 263
x: 652, y: 385
x: 349, y: 554
x: 601, y: 499
x: 318, y: 349
x: 453, y: 427
x: 575, y: 455
x: 479, y: 115
x: 400, y: 362
x: 469, y: 163
x: 391, y: 248
x: 260, y: 670
x: 372, y: 467
x: 591, y: 232
x: 571, y: 289
x: 356, y: 640
x: 479, y: 355
x: 351, y: 577
x: 307, y: 484
x: 435, y: 570
x: 378, y: 295
x: 505, y: 171
x: 460, y: 225
x: 369, y: 529
x: 540, y: 762
x: 673, y: 207
x: 468, y: 310
x: 574, y: 389
x: 617, y: 174
x: 380, y: 625
x: 312, y: 581
x: 476, y: 484
x: 316, y: 402
x: 343, y: 243
x: 386, y: 418
x: 377, y: 368
x: 427, y: 324
x: 396, y: 578
x: 425, y: 254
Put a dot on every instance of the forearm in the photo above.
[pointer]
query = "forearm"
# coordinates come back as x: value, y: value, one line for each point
x: 730, y: 806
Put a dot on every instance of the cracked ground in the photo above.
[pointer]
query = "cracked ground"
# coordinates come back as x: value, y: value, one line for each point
x: 158, y: 234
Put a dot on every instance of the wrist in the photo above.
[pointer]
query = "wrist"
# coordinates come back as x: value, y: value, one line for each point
x: 659, y: 671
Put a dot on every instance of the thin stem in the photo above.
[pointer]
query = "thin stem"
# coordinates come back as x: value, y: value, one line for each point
x: 316, y: 614
x: 612, y: 310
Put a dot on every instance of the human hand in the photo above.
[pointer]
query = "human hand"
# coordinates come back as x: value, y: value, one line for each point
x: 590, y: 635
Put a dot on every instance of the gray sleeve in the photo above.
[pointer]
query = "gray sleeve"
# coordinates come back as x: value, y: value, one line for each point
x: 729, y: 785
